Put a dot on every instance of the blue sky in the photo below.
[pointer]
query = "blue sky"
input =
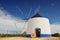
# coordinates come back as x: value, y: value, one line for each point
x: 48, y: 8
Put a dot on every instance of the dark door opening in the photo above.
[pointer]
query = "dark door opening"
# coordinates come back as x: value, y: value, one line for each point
x: 38, y: 31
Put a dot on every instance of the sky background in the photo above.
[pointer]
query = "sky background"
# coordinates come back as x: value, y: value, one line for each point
x: 14, y: 12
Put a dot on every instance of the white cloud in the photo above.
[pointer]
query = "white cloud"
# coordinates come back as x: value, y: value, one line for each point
x: 8, y: 22
x: 55, y: 28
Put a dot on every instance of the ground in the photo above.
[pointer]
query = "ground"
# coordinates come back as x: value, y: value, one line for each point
x: 24, y: 38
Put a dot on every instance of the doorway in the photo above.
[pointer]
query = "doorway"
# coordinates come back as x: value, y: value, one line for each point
x: 37, y: 31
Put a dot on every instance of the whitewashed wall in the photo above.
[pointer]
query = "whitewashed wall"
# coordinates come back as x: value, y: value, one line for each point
x: 38, y: 22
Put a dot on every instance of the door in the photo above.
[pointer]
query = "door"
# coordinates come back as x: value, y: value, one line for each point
x: 37, y: 31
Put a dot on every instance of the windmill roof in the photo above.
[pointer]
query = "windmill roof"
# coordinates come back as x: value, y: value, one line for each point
x: 36, y: 15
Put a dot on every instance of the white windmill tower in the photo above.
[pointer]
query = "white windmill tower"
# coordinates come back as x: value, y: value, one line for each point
x: 38, y: 26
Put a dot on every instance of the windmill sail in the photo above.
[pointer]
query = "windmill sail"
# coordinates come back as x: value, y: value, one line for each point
x: 19, y: 9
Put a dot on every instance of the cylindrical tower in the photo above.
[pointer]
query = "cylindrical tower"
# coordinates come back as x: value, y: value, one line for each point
x: 38, y: 25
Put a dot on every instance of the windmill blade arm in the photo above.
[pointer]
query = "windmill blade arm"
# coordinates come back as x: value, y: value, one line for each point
x: 29, y: 12
x: 37, y: 10
x: 19, y: 9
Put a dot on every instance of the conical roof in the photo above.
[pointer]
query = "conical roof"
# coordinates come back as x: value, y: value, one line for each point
x: 36, y: 15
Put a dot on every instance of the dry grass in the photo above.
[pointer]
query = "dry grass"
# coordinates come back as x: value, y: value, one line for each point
x: 23, y: 38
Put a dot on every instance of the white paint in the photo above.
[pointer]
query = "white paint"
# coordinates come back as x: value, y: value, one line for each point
x: 38, y: 22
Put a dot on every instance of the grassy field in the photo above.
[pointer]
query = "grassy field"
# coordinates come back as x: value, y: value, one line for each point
x: 24, y: 38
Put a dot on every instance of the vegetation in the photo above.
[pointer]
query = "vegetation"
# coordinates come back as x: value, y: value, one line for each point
x: 13, y: 35
x: 56, y: 35
x: 9, y: 35
x: 24, y: 35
